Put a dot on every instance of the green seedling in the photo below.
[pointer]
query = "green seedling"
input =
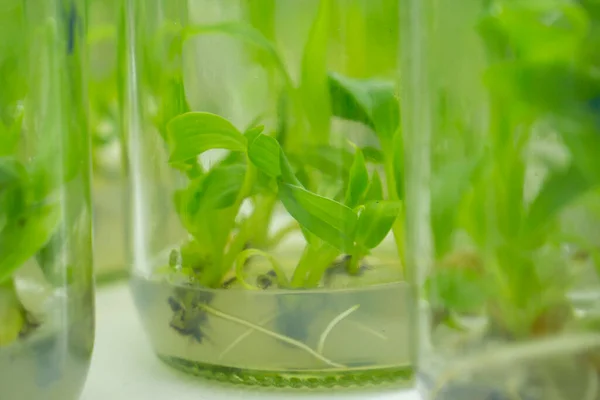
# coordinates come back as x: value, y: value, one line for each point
x: 32, y: 173
x: 539, y: 74
x: 345, y: 199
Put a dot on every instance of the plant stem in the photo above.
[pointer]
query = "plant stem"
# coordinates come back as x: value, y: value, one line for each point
x: 275, y: 335
x: 240, y: 239
x: 323, y: 260
x: 398, y: 227
x: 303, y: 266
x: 282, y: 233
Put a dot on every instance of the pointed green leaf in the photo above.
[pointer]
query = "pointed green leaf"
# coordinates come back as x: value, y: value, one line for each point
x: 358, y: 182
x: 369, y: 101
x: 375, y: 191
x: 458, y: 289
x: 9, y: 136
x: 25, y: 236
x: 313, y: 86
x: 245, y: 33
x: 252, y: 133
x: 11, y: 172
x: 329, y: 220
x: 264, y: 152
x: 222, y: 186
x: 558, y: 191
x: 193, y: 133
x: 373, y: 155
x: 375, y: 222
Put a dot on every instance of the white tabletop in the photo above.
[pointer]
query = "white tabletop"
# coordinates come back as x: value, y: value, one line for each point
x: 125, y: 368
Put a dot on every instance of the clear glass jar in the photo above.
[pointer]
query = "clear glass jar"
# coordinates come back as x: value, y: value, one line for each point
x: 46, y: 292
x: 503, y: 132
x: 105, y: 124
x: 265, y: 201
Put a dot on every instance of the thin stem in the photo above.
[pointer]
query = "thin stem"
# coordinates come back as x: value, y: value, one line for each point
x: 332, y: 325
x: 241, y: 261
x: 304, y: 265
x: 282, y: 233
x: 324, y: 257
x: 398, y: 227
x: 275, y: 335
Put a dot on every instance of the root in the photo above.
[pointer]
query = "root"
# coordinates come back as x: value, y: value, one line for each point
x: 369, y: 330
x: 244, y: 335
x: 332, y: 325
x: 275, y: 335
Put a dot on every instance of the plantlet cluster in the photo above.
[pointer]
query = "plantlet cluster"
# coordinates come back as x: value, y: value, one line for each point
x: 335, y: 194
x: 505, y: 192
x: 39, y: 151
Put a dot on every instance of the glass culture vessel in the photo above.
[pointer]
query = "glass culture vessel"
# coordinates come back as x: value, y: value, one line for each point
x: 265, y: 203
x: 503, y: 216
x: 46, y: 292
x: 105, y: 125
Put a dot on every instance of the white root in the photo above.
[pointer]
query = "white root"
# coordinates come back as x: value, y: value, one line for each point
x: 275, y: 335
x: 244, y: 335
x: 332, y: 325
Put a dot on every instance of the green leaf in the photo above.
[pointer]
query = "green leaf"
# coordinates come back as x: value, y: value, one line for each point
x: 11, y: 315
x: 541, y: 32
x: 373, y: 155
x: 375, y: 222
x: 329, y: 220
x: 222, y: 186
x: 245, y: 33
x: 375, y: 191
x: 330, y: 160
x: 267, y: 155
x: 448, y: 189
x: 26, y: 236
x: 359, y: 180
x: 264, y: 152
x: 11, y: 172
x: 193, y: 133
x: 558, y: 191
x: 252, y: 133
x: 313, y: 86
x: 9, y: 136
x: 369, y: 101
x: 173, y: 102
x: 13, y: 180
x: 458, y: 289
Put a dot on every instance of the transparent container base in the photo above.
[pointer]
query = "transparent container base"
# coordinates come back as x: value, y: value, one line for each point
x: 43, y: 366
x: 560, y: 368
x: 281, y: 338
